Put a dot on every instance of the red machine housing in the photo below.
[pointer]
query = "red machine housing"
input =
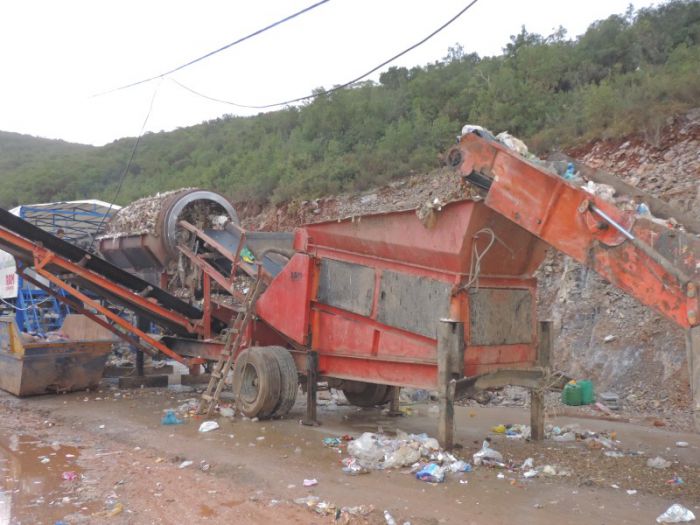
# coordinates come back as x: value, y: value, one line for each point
x: 367, y: 293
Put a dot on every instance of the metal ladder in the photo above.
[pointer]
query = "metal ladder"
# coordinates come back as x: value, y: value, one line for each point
x: 234, y: 338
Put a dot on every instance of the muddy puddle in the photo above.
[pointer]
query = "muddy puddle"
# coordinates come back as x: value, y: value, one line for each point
x: 32, y: 485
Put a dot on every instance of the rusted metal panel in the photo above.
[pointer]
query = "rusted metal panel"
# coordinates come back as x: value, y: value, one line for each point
x: 563, y: 215
x: 413, y: 303
x: 42, y: 367
x: 285, y: 304
x: 347, y: 286
x: 500, y: 317
x: 336, y: 333
x: 400, y: 241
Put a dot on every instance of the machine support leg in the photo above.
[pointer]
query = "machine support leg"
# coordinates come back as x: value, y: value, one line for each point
x: 537, y: 395
x: 450, y: 365
x: 693, y: 354
x: 141, y: 324
x: 139, y: 363
x: 311, y: 389
x: 394, y: 407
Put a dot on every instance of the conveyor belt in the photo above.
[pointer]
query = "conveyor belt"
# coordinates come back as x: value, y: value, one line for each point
x: 100, y: 267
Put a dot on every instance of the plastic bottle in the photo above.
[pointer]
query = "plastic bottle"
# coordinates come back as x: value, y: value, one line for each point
x: 389, y: 518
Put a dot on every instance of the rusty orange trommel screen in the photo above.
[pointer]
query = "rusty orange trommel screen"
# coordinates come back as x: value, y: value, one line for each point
x: 367, y: 292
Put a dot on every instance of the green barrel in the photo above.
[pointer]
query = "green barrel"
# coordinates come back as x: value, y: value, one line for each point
x: 587, y: 394
x: 571, y: 395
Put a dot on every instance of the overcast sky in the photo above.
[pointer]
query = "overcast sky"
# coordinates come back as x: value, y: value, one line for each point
x: 57, y: 54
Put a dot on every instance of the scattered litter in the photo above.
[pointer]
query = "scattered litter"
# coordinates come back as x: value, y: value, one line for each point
x: 432, y: 473
x: 460, y: 466
x: 501, y: 475
x: 631, y: 492
x: 332, y: 442
x: 682, y: 444
x: 613, y: 454
x: 675, y: 480
x: 463, y: 481
x: 566, y: 436
x: 676, y: 513
x: 204, y: 466
x: 530, y: 473
x: 185, y: 464
x: 513, y: 143
x: 549, y: 470
x: 69, y: 475
x: 310, y: 482
x: 170, y: 418
x: 513, y: 431
x: 488, y: 456
x: 658, y: 462
x: 352, y: 467
x: 227, y: 412
x: 604, y: 191
x: 528, y: 463
x: 608, y: 338
x: 389, y: 518
x: 101, y: 427
x: 208, y: 426
x: 117, y: 509
x: 44, y: 459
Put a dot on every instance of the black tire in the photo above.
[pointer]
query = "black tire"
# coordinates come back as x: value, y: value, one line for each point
x: 256, y: 383
x: 289, y: 379
x: 369, y: 395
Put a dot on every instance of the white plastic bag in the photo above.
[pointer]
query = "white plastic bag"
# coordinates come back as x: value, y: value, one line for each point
x: 487, y: 455
x: 208, y: 426
x: 676, y: 514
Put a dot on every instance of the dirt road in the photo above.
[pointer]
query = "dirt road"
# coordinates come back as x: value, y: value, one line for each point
x: 126, y: 466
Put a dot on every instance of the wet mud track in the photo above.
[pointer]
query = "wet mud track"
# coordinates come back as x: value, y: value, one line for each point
x: 255, y: 470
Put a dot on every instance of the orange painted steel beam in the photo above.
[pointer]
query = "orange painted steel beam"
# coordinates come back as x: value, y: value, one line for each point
x: 43, y: 256
x: 613, y: 243
x: 225, y: 252
x: 208, y: 269
x: 78, y: 308
x: 115, y: 318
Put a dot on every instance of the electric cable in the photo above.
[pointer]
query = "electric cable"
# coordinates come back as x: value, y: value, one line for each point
x: 128, y: 166
x: 341, y: 86
x: 216, y: 51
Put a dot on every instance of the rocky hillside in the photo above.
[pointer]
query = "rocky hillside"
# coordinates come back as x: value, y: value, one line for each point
x: 644, y: 357
x: 600, y: 332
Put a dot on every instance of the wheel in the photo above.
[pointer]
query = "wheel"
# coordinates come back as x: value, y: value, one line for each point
x: 367, y: 394
x: 256, y: 383
x: 289, y: 379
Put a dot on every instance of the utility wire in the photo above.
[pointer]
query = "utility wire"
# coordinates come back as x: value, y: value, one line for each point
x: 219, y: 50
x: 341, y: 86
x: 128, y: 166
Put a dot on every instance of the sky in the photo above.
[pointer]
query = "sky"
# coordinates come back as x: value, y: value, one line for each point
x: 58, y: 55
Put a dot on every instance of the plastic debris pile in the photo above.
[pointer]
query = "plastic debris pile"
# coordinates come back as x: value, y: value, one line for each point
x: 418, y: 451
x: 340, y: 514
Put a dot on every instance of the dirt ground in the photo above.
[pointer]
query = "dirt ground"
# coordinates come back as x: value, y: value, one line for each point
x: 127, y: 467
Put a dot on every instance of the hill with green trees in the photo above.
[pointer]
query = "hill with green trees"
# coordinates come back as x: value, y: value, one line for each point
x: 626, y: 73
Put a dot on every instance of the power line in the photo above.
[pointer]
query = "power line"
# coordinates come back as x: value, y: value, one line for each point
x: 128, y: 165
x: 341, y: 86
x: 219, y: 50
